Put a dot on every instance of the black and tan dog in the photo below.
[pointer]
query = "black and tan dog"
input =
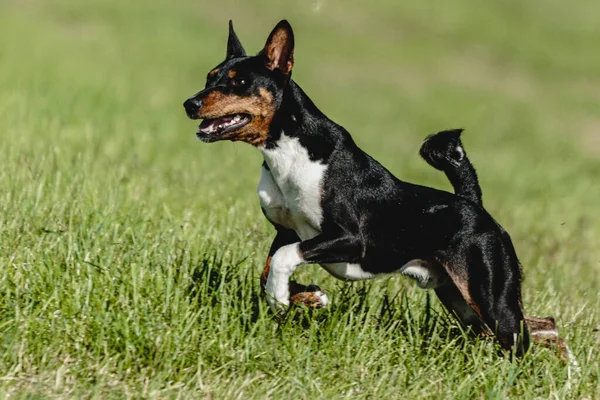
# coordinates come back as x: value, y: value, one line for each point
x: 334, y: 205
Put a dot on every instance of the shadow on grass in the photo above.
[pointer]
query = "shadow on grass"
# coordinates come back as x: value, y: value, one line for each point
x: 215, y: 281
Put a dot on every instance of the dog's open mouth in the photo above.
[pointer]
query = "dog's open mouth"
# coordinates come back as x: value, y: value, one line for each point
x: 212, y: 128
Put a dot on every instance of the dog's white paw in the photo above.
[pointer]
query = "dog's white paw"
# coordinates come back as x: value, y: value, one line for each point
x: 319, y: 297
x: 323, y: 299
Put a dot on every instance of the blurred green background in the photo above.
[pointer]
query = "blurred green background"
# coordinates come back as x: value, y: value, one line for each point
x: 110, y: 207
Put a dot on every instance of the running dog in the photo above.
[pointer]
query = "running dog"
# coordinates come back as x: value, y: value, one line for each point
x: 334, y: 205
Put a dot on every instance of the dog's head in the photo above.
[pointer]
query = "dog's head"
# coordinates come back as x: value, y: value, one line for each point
x: 243, y: 92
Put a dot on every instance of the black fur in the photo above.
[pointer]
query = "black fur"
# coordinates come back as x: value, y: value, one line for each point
x: 234, y: 46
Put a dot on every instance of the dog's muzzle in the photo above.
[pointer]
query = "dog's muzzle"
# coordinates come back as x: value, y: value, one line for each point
x: 192, y: 107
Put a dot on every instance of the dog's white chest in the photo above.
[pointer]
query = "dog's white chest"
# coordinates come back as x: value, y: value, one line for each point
x: 290, y: 191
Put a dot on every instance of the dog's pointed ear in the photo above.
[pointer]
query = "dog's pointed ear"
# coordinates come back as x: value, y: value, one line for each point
x: 234, y: 46
x: 279, y: 49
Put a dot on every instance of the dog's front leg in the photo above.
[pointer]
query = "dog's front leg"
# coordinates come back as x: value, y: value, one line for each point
x: 321, y: 249
x: 309, y: 296
x: 284, y: 237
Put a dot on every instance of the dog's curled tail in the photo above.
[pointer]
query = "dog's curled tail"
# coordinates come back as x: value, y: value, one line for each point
x: 444, y: 151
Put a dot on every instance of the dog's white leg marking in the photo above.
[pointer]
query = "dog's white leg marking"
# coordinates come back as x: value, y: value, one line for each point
x: 283, y: 264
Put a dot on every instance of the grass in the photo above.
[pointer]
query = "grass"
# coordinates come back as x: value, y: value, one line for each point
x: 130, y: 252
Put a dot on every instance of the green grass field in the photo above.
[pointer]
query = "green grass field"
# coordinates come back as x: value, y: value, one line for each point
x: 130, y: 252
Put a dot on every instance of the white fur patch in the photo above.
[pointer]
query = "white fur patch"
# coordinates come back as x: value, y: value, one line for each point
x: 348, y: 271
x: 423, y: 273
x: 272, y: 201
x: 323, y: 299
x: 545, y: 333
x: 290, y: 191
x: 460, y: 151
x: 283, y: 264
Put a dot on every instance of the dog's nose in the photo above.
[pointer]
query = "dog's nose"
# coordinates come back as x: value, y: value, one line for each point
x: 192, y: 106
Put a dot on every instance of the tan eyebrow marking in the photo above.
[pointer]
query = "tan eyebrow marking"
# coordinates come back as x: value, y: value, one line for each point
x: 213, y: 72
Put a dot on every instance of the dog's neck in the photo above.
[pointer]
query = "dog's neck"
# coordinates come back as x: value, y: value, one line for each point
x: 298, y: 117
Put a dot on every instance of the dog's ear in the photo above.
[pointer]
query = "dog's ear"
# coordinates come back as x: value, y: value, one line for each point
x: 234, y: 47
x: 279, y: 49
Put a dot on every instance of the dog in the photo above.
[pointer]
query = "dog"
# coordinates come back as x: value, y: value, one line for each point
x: 334, y: 205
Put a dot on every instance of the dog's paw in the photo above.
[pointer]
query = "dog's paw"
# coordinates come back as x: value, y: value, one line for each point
x: 314, y: 297
x: 323, y: 299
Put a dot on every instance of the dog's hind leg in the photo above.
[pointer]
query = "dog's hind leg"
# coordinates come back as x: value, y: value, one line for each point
x: 457, y: 299
x: 544, y: 332
x: 488, y: 278
x: 311, y: 295
x: 455, y: 303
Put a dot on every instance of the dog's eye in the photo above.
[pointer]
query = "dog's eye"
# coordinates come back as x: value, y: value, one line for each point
x: 238, y: 82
